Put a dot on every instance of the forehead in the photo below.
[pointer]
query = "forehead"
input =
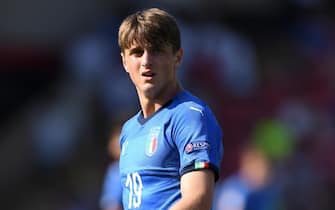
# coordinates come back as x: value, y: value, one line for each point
x: 139, y: 46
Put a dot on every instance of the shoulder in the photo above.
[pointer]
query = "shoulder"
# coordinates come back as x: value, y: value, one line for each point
x: 188, y: 105
x: 192, y: 113
x: 131, y: 122
x: 129, y: 125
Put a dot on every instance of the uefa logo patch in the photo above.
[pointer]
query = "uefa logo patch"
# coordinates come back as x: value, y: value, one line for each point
x: 196, y: 146
x: 152, y: 142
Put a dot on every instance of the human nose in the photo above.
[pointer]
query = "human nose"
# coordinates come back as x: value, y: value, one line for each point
x: 147, y: 59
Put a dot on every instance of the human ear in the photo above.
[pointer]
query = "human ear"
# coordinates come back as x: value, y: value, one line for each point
x: 124, y: 63
x: 179, y: 56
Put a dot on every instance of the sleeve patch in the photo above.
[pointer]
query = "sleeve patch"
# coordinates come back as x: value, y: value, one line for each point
x: 201, y: 164
x: 195, y: 146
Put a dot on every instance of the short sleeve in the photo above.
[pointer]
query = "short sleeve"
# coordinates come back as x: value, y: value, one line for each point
x: 111, y: 195
x: 198, y: 138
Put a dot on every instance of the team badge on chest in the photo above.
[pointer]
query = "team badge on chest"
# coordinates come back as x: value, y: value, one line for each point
x: 152, y: 141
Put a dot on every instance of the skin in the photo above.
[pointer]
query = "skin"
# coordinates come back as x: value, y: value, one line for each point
x: 154, y: 75
x: 197, y: 189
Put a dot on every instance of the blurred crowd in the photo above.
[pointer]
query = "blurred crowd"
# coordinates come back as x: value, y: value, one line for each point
x: 267, y: 69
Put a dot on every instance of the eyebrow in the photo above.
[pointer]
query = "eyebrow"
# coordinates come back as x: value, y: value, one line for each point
x: 135, y: 49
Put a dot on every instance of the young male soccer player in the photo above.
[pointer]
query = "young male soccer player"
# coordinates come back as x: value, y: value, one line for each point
x: 170, y: 150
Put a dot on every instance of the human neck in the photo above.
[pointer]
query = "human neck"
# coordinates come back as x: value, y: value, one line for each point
x: 150, y: 105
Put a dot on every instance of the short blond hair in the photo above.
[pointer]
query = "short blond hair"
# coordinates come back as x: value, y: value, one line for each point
x: 151, y: 28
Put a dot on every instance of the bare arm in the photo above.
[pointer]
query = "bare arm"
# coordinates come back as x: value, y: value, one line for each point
x: 196, y: 191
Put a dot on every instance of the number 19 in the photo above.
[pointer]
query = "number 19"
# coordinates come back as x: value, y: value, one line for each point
x: 134, y: 183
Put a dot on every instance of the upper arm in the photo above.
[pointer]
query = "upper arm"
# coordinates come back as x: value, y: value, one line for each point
x: 197, y: 188
x: 199, y: 141
x: 198, y: 138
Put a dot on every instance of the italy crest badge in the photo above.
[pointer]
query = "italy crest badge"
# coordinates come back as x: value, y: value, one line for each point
x: 152, y: 142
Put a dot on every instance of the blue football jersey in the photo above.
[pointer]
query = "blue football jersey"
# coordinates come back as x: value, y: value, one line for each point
x: 155, y: 152
x: 111, y: 195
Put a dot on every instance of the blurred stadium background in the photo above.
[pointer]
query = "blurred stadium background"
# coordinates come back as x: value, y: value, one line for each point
x: 267, y: 68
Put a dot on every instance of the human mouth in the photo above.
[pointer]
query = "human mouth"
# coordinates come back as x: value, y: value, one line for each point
x: 148, y: 74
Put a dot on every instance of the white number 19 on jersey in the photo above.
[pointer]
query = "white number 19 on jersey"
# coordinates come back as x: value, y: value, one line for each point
x: 134, y: 183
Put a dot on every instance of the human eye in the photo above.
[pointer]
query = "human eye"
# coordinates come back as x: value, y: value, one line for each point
x: 156, y: 51
x: 137, y: 52
x: 160, y: 50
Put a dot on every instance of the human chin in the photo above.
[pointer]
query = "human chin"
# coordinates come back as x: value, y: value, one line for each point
x: 149, y: 90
